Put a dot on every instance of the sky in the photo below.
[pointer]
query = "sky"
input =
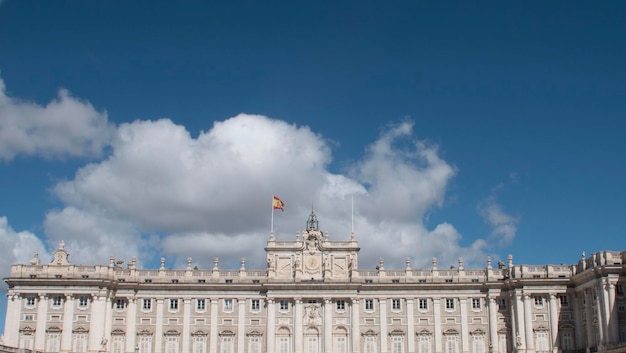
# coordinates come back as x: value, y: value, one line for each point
x: 430, y: 129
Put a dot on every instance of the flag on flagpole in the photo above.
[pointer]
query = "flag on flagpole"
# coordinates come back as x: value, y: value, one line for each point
x: 278, y: 204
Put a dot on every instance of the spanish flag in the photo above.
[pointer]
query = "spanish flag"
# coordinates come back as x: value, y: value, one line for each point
x: 278, y: 204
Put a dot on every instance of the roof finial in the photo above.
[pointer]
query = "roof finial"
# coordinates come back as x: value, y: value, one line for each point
x: 312, y: 223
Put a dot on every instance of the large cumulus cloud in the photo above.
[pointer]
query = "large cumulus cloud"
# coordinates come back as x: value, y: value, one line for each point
x: 210, y: 196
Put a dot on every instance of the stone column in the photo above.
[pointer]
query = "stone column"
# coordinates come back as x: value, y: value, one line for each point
x: 591, y: 337
x: 11, y: 330
x: 97, y: 321
x: 554, y: 322
x: 297, y: 329
x: 612, y: 311
x: 356, y: 326
x: 410, y: 326
x: 158, y: 330
x: 131, y: 325
x: 601, y: 314
x: 464, y: 329
x: 108, y: 319
x: 521, y: 328
x: 186, y: 336
x: 68, y: 319
x: 437, y: 318
x: 213, y: 329
x: 40, y: 328
x: 528, y: 324
x: 328, y: 325
x: 493, y: 324
x: 578, y: 308
x: 241, y: 325
x: 383, y: 326
x: 271, y: 326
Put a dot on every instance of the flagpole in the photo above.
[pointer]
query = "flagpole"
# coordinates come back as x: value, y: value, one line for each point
x: 272, y: 224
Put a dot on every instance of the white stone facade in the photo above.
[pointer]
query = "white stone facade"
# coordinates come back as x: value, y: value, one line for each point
x: 313, y: 298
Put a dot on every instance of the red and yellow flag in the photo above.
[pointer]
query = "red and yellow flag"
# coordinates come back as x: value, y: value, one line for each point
x: 278, y: 204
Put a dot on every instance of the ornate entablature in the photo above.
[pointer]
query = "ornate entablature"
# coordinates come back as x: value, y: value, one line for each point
x: 312, y: 256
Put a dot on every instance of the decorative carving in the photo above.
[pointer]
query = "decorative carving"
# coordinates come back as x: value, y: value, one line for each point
x: 312, y: 314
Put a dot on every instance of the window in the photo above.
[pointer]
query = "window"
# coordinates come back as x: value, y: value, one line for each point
x: 120, y: 303
x: 341, y: 305
x: 341, y: 345
x: 254, y: 344
x: 541, y: 342
x: 567, y: 341
x: 228, y: 305
x: 145, y: 344
x: 449, y: 304
x: 79, y: 342
x: 171, y: 344
x: 117, y: 344
x: 53, y: 341
x: 255, y: 305
x: 369, y: 281
x: 538, y: 301
x: 397, y: 344
x: 452, y: 344
x: 369, y: 304
x: 82, y: 301
x: 476, y: 303
x: 283, y: 305
x: 395, y: 304
x: 370, y: 344
x: 30, y: 301
x: 146, y: 304
x: 395, y: 281
x: 312, y: 345
x: 502, y: 304
x: 229, y: 281
x: 200, y: 304
x: 283, y: 345
x: 619, y: 289
x: 423, y: 304
x: 56, y: 300
x: 29, y: 317
x: 478, y: 344
x: 199, y: 344
x: 563, y: 300
x: 173, y: 304
x: 423, y: 345
x: 227, y: 345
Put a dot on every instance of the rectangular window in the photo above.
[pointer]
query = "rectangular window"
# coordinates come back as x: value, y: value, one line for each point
x: 200, y: 304
x: 341, y: 305
x: 478, y: 344
x: 145, y: 344
x: 79, y: 342
x: 619, y: 289
x: 424, y: 344
x: 228, y: 305
x: 120, y: 304
x: 146, y: 304
x: 255, y: 305
x: 449, y: 304
x: 563, y: 300
x: 30, y: 301
x: 56, y: 300
x: 171, y: 344
x: 370, y: 344
x: 254, y: 344
x: 117, y: 345
x: 341, y: 345
x: 476, y: 303
x: 538, y: 301
x: 199, y: 344
x: 82, y: 301
x: 452, y: 345
x: 173, y: 304
x: 369, y: 304
x: 283, y: 345
x: 227, y: 345
x: 29, y: 317
x: 397, y: 344
x: 423, y: 304
x: 502, y: 304
x: 283, y: 305
x: 395, y: 304
x: 53, y: 342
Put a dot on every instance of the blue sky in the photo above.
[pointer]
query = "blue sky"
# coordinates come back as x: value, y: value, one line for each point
x: 463, y: 129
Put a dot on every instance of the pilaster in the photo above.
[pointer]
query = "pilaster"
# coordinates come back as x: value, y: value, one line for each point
x: 68, y: 319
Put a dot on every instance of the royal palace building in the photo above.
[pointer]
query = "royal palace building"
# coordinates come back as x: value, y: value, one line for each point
x: 313, y: 298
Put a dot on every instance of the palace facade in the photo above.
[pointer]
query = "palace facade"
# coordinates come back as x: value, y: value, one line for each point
x: 314, y: 298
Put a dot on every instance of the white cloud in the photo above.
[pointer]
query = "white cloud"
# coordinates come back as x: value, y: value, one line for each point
x: 210, y: 196
x: 18, y: 247
x: 65, y: 127
x: 503, y: 226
